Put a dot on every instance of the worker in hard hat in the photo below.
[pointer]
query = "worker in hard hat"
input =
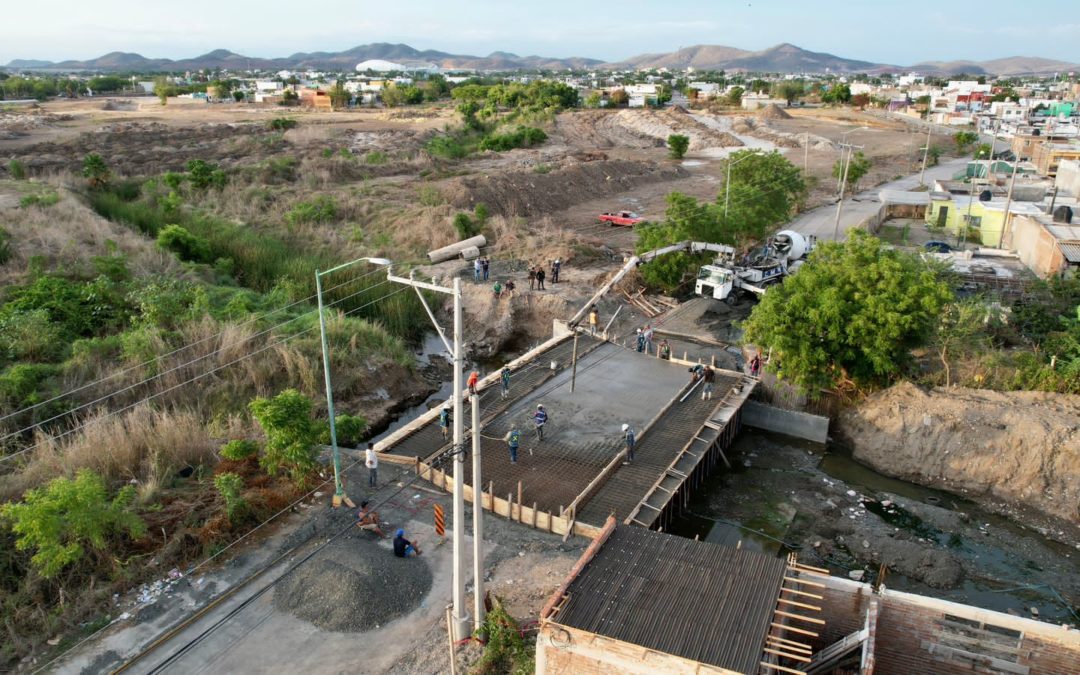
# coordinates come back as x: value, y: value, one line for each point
x: 444, y: 421
x: 629, y: 440
x: 513, y: 440
x: 540, y: 419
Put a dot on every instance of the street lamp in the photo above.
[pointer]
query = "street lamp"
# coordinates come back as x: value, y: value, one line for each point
x: 461, y: 618
x: 339, y: 489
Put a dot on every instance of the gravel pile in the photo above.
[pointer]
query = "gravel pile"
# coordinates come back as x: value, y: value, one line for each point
x: 352, y: 586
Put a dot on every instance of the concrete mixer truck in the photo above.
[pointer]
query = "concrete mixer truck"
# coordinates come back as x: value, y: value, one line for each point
x: 728, y: 278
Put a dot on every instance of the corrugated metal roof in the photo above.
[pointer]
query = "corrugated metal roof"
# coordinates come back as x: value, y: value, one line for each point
x: 1071, y: 250
x: 707, y: 603
x: 903, y: 197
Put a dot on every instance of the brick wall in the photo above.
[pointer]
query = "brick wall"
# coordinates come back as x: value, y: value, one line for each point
x: 909, y: 629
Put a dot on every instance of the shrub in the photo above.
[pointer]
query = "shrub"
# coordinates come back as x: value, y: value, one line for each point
x: 184, y: 244
x: 30, y: 336
x: 376, y: 157
x: 447, y: 147
x: 282, y: 124
x: 238, y: 450
x: 95, y: 171
x: 43, y: 199
x: 204, y: 175
x: 17, y: 169
x: 172, y: 180
x: 350, y: 430
x: 678, y: 144
x: 5, y: 246
x: 64, y: 517
x: 429, y: 195
x: 522, y: 137
x: 229, y: 485
x: 321, y: 209
x: 290, y: 433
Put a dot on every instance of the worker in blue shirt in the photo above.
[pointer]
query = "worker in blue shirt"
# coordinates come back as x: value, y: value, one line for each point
x: 628, y: 438
x: 513, y: 440
x: 540, y: 419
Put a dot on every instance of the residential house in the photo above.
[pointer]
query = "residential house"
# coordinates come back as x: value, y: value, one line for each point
x: 1067, y: 180
x: 1046, y: 156
x: 1047, y: 247
x: 315, y: 98
x: 969, y: 217
x: 641, y: 95
x: 753, y: 101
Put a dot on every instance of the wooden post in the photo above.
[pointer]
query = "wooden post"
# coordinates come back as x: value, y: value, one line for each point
x: 713, y: 361
x: 551, y: 523
x: 686, y: 356
x: 509, y: 505
x: 573, y: 366
x: 491, y: 496
x: 519, y: 502
x: 534, y: 515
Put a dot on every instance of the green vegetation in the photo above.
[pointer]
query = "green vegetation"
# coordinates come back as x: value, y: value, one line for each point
x: 964, y: 140
x: 282, y: 124
x: 95, y: 171
x: 43, y: 199
x: 229, y: 486
x: 350, y: 430
x: 17, y: 169
x: 851, y: 316
x: 983, y: 150
x: 505, y: 651
x: 765, y: 189
x: 321, y: 209
x: 678, y: 145
x: 789, y: 90
x: 858, y: 165
x: 238, y: 450
x: 467, y: 226
x: 203, y: 175
x: 838, y: 93
x: 290, y: 434
x: 69, y: 519
x: 521, y: 137
x: 184, y: 244
x: 376, y: 157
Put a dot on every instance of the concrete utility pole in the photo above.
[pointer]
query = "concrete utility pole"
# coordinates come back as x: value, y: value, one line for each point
x: 843, y: 184
x: 339, y: 488
x: 461, y: 619
x: 806, y: 155
x: 477, y: 518
x: 1008, y: 203
x: 926, y: 153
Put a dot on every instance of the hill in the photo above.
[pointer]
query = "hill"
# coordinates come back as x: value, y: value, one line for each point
x: 1009, y: 66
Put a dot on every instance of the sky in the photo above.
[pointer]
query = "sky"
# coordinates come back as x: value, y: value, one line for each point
x: 894, y: 32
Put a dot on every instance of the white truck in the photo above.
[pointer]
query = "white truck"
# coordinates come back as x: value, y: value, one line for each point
x: 727, y: 278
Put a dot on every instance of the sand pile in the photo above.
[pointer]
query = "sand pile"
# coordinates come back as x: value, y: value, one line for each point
x: 774, y: 112
x: 354, y: 585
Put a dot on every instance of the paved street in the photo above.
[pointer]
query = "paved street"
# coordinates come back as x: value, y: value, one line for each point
x: 822, y: 220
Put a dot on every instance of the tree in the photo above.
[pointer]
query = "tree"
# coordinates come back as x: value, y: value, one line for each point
x: 238, y: 96
x: 162, y: 89
x: 184, y: 244
x: 592, y: 100
x: 203, y: 174
x: 858, y: 166
x: 982, y: 151
x: 860, y: 100
x: 290, y: 433
x: 734, y: 97
x: 850, y: 316
x: 618, y: 98
x: 339, y: 96
x: 961, y: 327
x: 789, y: 90
x: 964, y: 140
x: 837, y: 93
x: 229, y: 485
x: 95, y: 171
x: 678, y: 145
x: 63, y: 518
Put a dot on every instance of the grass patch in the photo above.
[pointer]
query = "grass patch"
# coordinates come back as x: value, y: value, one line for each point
x: 41, y: 199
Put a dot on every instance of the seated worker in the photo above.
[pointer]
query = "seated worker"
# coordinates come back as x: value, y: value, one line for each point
x: 403, y: 548
x: 368, y: 520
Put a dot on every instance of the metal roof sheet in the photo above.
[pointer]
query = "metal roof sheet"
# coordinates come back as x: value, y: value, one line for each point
x: 700, y: 601
x: 1064, y: 232
x: 903, y: 197
x: 1071, y: 250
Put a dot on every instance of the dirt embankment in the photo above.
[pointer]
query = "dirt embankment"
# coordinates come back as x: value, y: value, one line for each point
x: 1021, y: 448
x: 639, y: 128
x: 527, y: 193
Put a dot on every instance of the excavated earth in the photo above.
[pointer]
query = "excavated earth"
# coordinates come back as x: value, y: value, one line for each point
x: 1021, y: 449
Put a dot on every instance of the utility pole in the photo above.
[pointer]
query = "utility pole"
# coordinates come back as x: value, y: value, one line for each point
x: 806, y: 155
x: 926, y: 153
x: 1008, y: 203
x: 843, y: 184
x: 477, y: 520
x: 573, y: 364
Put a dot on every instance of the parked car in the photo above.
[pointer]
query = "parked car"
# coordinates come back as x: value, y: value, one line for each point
x: 624, y: 218
x: 937, y: 247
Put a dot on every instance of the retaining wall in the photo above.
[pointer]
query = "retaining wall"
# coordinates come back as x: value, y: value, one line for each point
x: 792, y: 423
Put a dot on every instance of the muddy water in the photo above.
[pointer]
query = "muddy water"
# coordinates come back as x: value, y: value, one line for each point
x: 783, y: 494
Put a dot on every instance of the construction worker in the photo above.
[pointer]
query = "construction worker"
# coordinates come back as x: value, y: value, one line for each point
x: 371, y: 461
x: 477, y: 269
x: 665, y: 350
x: 403, y: 548
x: 532, y: 278
x: 594, y: 320
x: 504, y: 377
x: 648, y: 335
x: 513, y: 440
x: 444, y: 421
x: 474, y: 377
x: 628, y: 439
x: 498, y: 288
x: 485, y: 264
x: 555, y: 268
x: 755, y: 365
x: 640, y: 340
x: 540, y: 419
x: 368, y: 520
x: 706, y: 389
x: 540, y: 278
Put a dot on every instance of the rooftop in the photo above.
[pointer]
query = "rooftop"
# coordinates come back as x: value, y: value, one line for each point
x: 699, y: 601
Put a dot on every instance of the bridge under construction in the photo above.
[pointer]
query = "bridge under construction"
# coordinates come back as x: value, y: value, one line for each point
x: 577, y: 476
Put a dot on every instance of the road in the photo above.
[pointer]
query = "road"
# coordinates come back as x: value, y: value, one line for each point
x: 822, y: 220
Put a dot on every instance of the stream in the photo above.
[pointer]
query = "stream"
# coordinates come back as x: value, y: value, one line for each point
x: 786, y: 495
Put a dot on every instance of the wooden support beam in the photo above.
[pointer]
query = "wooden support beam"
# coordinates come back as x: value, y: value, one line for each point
x: 786, y: 655
x: 804, y: 582
x: 519, y: 501
x: 809, y: 619
x: 534, y: 515
x: 799, y: 604
x: 789, y: 644
x: 782, y: 669
x: 807, y: 568
x: 793, y: 629
x: 802, y: 593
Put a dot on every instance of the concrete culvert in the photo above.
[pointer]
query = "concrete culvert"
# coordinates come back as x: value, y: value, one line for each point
x: 354, y: 586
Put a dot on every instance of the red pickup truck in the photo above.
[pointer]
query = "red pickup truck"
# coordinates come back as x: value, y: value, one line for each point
x: 627, y: 218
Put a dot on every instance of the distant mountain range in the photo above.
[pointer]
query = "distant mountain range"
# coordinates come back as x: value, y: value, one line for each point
x: 783, y: 58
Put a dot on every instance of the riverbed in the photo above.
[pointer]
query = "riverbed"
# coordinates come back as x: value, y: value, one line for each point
x: 785, y: 495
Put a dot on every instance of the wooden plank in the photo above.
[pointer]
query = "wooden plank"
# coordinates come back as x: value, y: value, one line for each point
x: 802, y: 593
x: 793, y: 629
x: 807, y: 568
x: 782, y: 668
x: 804, y: 582
x: 797, y: 644
x: 789, y: 644
x: 798, y: 604
x: 809, y: 619
x: 786, y: 655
